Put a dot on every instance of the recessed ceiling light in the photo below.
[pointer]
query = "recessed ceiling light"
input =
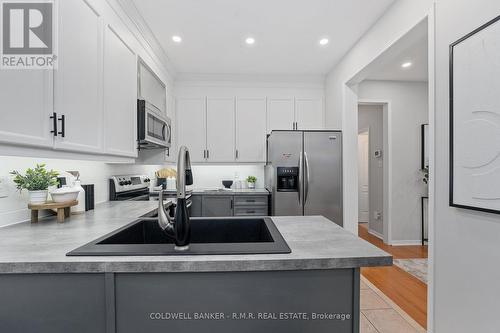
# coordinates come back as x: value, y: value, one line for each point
x: 177, y: 39
x: 323, y: 41
x: 250, y: 40
x: 406, y: 64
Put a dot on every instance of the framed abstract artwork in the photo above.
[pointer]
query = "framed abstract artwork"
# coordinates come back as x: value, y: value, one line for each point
x: 475, y: 119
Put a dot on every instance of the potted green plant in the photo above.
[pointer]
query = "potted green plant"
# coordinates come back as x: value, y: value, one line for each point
x: 251, y: 181
x: 36, y: 181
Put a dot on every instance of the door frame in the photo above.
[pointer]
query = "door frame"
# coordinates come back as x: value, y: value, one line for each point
x: 349, y: 125
x: 387, y: 164
x: 367, y: 131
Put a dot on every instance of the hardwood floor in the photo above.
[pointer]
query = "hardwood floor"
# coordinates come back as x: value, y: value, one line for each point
x: 408, y: 292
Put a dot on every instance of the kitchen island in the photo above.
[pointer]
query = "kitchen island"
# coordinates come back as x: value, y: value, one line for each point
x: 315, y: 288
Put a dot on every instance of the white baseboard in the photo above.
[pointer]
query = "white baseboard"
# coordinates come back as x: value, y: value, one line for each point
x: 376, y: 234
x: 405, y: 242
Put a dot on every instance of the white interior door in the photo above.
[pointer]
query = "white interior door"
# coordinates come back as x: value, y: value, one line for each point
x: 220, y: 130
x: 191, y: 121
x: 363, y: 170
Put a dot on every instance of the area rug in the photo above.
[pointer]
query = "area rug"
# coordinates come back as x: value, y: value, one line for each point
x: 415, y: 267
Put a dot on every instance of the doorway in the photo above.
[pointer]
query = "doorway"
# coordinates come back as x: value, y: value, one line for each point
x: 399, y: 81
x: 372, y: 195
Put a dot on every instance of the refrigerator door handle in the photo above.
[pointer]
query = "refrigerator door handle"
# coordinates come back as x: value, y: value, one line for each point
x: 306, y: 183
x: 299, y: 185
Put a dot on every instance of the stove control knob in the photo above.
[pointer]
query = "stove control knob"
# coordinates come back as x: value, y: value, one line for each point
x: 121, y: 183
x: 129, y: 182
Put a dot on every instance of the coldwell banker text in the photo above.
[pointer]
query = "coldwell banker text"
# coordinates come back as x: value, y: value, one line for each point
x: 28, y: 35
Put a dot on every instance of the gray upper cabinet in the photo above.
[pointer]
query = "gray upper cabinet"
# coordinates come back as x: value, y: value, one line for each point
x: 217, y: 205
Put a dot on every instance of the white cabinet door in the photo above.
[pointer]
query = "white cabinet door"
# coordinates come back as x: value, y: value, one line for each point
x: 309, y: 113
x: 280, y: 114
x: 151, y: 88
x: 220, y: 130
x: 78, y: 80
x: 120, y: 96
x: 26, y: 97
x: 191, y: 123
x: 250, y: 129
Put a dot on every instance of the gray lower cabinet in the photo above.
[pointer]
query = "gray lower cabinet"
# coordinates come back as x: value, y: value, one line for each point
x: 55, y: 303
x: 250, y: 205
x: 228, y: 205
x: 222, y: 302
x: 196, y: 206
x: 217, y: 205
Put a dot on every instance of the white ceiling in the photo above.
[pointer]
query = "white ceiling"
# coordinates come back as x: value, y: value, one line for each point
x: 410, y: 48
x: 286, y: 32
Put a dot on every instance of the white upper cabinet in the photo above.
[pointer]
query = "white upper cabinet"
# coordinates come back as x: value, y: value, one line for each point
x: 120, y: 96
x: 280, y: 114
x: 78, y: 80
x: 250, y: 129
x: 220, y: 129
x: 191, y: 125
x: 26, y: 97
x: 151, y: 88
x: 309, y: 113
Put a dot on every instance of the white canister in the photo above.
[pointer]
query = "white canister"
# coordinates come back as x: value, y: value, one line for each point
x: 171, y: 183
x: 80, y: 208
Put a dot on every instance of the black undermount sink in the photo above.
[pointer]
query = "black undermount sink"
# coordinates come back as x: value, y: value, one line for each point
x: 232, y: 235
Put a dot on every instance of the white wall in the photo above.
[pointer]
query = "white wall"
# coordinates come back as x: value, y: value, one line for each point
x: 250, y: 86
x: 371, y: 117
x: 466, y: 243
x: 341, y: 101
x: 408, y: 110
x: 13, y: 208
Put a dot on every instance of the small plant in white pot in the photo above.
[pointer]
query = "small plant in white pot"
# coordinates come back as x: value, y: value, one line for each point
x: 251, y: 180
x: 36, y: 181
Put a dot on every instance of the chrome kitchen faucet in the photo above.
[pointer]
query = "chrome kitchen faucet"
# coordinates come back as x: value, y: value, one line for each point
x: 179, y: 228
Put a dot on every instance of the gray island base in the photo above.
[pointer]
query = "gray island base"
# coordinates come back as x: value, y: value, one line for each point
x: 313, y: 289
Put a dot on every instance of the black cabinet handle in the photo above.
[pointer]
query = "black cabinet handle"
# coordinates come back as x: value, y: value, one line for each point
x: 231, y: 203
x: 250, y: 200
x: 208, y: 153
x: 54, y: 123
x: 250, y: 211
x: 63, y: 126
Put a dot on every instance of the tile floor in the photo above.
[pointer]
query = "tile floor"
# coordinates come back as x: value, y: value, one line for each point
x: 380, y: 315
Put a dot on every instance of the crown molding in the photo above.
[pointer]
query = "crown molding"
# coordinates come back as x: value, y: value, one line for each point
x: 248, y: 80
x: 142, y: 31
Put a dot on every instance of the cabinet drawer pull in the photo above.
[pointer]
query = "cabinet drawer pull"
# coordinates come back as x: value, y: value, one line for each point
x: 250, y: 200
x: 63, y: 125
x: 54, y: 123
x: 250, y: 211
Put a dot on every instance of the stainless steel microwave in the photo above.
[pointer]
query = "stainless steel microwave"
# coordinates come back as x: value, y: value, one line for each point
x: 154, y: 130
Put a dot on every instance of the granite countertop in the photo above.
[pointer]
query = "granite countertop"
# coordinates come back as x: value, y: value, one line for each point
x: 316, y: 243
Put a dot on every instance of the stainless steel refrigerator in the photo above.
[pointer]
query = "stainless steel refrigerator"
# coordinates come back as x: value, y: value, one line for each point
x: 304, y: 173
